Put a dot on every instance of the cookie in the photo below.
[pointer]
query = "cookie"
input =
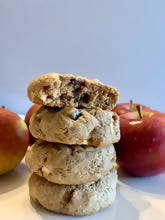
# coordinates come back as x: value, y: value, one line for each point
x: 78, y: 200
x: 72, y: 164
x: 66, y: 90
x: 95, y: 127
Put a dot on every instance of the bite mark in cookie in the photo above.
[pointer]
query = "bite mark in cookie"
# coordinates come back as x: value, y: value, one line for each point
x: 66, y: 90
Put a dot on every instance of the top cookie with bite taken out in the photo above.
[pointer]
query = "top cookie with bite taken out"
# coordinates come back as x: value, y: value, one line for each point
x: 67, y: 90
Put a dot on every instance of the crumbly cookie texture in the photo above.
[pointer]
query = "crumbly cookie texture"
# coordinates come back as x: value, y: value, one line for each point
x: 67, y: 90
x: 95, y: 127
x: 78, y: 200
x: 72, y: 164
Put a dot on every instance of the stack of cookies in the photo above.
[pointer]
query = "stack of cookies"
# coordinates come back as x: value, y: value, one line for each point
x: 72, y: 158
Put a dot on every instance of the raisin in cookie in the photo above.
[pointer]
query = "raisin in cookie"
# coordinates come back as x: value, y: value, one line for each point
x: 66, y: 90
x: 72, y: 164
x: 94, y: 127
x: 78, y: 200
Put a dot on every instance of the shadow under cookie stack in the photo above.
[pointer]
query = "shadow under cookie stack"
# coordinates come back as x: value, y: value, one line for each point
x: 72, y: 158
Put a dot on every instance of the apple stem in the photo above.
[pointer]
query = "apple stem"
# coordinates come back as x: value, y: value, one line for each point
x: 3, y: 106
x: 131, y: 104
x: 140, y: 111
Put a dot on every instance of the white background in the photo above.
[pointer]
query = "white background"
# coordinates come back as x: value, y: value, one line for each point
x: 120, y: 42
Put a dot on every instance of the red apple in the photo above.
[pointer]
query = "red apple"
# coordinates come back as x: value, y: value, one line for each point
x: 30, y: 112
x: 123, y: 108
x: 14, y: 140
x: 141, y: 149
x: 28, y: 115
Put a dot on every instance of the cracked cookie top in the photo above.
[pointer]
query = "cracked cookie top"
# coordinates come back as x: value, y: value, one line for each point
x: 69, y: 164
x: 94, y: 127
